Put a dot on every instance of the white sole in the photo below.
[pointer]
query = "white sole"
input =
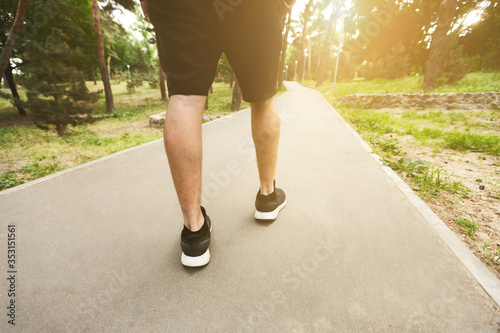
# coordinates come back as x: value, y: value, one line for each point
x: 199, y: 261
x: 269, y: 216
x: 196, y: 261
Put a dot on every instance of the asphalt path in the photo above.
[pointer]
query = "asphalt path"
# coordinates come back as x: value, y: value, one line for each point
x: 97, y: 246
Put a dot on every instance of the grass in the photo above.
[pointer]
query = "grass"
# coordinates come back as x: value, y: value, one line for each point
x: 426, y: 179
x: 28, y: 153
x: 491, y: 256
x: 472, y: 83
x: 461, y: 131
x: 469, y: 227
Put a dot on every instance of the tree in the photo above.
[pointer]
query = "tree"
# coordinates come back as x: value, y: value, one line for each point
x: 100, y: 57
x: 483, y: 39
x: 7, y: 48
x: 284, y: 47
x: 327, y: 44
x: 308, y: 11
x: 56, y: 94
x: 439, y: 43
x: 13, y: 35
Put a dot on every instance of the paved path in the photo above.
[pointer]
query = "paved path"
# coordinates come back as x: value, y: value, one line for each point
x: 98, y: 246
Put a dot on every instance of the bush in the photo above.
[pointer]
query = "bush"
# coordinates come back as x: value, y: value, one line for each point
x: 135, y: 81
x: 154, y: 81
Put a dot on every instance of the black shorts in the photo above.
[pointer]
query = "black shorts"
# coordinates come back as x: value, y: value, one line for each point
x: 192, y: 34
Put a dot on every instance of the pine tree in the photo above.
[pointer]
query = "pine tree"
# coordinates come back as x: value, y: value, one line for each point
x: 56, y: 94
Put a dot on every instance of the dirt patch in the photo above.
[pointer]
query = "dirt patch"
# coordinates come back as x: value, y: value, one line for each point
x: 481, y: 174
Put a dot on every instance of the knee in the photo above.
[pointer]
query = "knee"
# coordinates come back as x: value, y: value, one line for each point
x: 262, y: 104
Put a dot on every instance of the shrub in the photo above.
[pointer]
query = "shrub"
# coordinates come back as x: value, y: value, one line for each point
x: 135, y: 81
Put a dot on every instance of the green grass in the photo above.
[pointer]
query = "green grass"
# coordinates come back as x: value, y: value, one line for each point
x: 426, y: 179
x: 469, y: 227
x: 458, y: 131
x: 472, y: 83
x: 491, y: 256
x: 28, y: 153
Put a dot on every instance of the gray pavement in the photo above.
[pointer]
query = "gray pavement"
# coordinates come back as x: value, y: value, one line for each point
x: 97, y: 247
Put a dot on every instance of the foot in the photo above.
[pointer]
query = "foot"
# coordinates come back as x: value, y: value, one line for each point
x: 195, y: 252
x: 267, y: 207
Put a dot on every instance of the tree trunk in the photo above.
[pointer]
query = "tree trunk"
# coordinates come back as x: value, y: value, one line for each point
x: 13, y: 35
x: 110, y: 107
x: 307, y: 16
x: 206, y: 104
x: 237, y: 97
x: 439, y: 44
x: 212, y: 88
x: 9, y: 77
x: 284, y: 47
x: 109, y: 65
x: 231, y: 80
x: 323, y: 58
x: 163, y: 88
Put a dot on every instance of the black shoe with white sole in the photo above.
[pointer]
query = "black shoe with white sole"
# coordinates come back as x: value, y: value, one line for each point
x: 267, y: 207
x: 195, y: 252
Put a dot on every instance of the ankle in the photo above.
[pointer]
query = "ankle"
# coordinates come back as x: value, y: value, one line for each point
x: 266, y: 189
x: 195, y: 223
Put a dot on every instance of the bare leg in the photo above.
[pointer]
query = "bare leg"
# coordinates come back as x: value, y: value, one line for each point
x: 183, y: 144
x: 266, y: 133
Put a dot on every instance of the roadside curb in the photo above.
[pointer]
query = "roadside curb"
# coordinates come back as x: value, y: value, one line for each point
x: 488, y: 281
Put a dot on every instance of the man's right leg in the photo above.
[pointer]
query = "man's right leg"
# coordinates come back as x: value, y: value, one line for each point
x: 183, y: 144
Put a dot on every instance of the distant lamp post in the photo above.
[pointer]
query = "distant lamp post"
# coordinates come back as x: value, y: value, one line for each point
x: 295, y: 73
x: 286, y: 73
x: 128, y: 69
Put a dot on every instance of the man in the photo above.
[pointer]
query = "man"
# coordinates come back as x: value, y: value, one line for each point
x: 191, y: 36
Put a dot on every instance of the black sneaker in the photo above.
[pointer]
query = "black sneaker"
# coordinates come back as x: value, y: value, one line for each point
x: 267, y: 207
x: 194, y: 245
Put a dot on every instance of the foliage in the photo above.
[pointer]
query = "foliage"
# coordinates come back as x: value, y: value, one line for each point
x: 394, y: 65
x: 483, y: 39
x: 135, y: 81
x: 154, y: 81
x: 123, y: 49
x: 456, y: 66
x: 472, y: 83
x: 56, y: 94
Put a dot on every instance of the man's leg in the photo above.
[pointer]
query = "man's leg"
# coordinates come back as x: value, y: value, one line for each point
x: 183, y: 144
x: 266, y: 133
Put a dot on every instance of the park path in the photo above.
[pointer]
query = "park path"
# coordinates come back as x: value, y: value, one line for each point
x: 98, y: 246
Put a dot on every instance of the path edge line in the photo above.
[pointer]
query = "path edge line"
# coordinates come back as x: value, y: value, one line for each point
x: 488, y: 281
